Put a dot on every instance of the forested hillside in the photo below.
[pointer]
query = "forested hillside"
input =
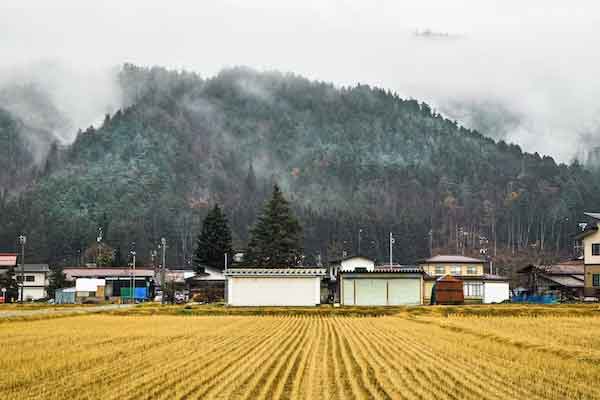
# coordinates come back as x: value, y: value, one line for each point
x: 346, y: 158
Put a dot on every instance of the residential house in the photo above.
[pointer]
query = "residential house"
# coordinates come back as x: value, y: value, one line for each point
x: 564, y: 280
x: 478, y: 286
x: 299, y: 286
x: 32, y: 279
x: 590, y: 240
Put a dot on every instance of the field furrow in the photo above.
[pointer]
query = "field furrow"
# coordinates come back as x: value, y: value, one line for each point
x: 299, y: 357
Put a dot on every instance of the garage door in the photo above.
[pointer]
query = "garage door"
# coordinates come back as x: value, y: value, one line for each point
x: 276, y: 291
x: 348, y: 292
x: 370, y: 292
x: 404, y: 291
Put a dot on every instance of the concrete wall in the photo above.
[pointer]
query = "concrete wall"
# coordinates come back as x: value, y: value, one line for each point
x: 273, y: 291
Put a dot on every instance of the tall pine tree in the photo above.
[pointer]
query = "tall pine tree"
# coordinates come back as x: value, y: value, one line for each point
x: 214, y: 241
x: 276, y: 237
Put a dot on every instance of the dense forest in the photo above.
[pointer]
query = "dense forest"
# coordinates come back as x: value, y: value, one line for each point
x: 349, y: 160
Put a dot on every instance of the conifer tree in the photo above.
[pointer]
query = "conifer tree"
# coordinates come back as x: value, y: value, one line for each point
x: 57, y: 279
x: 276, y: 237
x: 214, y: 241
x: 9, y: 282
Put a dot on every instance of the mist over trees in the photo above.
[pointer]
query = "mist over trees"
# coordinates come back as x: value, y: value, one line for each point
x: 347, y: 159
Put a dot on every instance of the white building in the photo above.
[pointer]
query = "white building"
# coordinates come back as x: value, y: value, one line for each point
x: 274, y: 286
x: 495, y: 291
x: 35, y: 278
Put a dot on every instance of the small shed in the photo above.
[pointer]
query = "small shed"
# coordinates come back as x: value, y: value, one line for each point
x: 65, y: 296
x: 274, y: 286
x: 448, y: 290
x: 207, y: 285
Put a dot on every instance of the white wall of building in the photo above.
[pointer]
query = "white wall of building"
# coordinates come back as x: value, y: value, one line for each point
x: 33, y: 293
x: 88, y: 284
x: 381, y: 291
x: 273, y: 291
x: 495, y: 292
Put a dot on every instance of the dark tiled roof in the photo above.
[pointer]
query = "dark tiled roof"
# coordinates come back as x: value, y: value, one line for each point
x: 572, y: 267
x: 275, y: 272
x: 31, y: 268
x: 386, y: 271
x: 572, y: 281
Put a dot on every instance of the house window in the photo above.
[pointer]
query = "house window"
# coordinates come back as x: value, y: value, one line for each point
x: 473, y: 289
x: 440, y: 270
x: 596, y: 249
x: 596, y: 280
x: 471, y: 270
x: 455, y: 270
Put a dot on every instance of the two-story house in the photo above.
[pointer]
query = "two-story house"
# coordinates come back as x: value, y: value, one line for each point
x: 32, y: 279
x: 590, y: 241
x: 478, y: 286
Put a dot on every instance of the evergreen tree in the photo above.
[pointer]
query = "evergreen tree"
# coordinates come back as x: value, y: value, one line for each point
x: 9, y: 282
x: 276, y: 238
x: 214, y: 241
x: 57, y: 280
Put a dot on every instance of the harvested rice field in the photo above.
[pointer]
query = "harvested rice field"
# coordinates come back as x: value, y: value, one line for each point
x: 401, y: 356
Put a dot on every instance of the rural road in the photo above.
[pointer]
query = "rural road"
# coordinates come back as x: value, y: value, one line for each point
x: 63, y: 311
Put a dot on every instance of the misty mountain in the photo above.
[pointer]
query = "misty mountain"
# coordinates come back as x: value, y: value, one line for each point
x: 347, y: 158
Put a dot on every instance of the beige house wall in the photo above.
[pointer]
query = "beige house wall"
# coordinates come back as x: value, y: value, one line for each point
x: 430, y: 269
x: 587, y: 248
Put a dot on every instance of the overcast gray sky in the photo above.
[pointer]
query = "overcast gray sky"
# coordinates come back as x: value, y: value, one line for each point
x: 536, y: 61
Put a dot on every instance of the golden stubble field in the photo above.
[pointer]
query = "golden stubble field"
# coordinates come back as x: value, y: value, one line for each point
x: 308, y: 357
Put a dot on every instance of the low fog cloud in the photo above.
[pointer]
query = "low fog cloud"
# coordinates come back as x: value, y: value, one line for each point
x: 521, y: 71
x: 53, y: 101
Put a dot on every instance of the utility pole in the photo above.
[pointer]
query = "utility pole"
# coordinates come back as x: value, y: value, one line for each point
x: 225, y: 262
x: 359, y: 237
x: 22, y: 241
x: 133, y: 253
x: 392, y: 241
x: 163, y: 245
x: 431, y: 243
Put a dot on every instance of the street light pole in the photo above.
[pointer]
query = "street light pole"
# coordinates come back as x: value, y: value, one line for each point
x: 163, y: 244
x: 392, y: 241
x: 22, y: 241
x: 359, y: 237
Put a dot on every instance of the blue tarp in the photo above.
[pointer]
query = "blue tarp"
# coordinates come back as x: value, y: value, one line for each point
x: 535, y: 299
x: 140, y: 293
